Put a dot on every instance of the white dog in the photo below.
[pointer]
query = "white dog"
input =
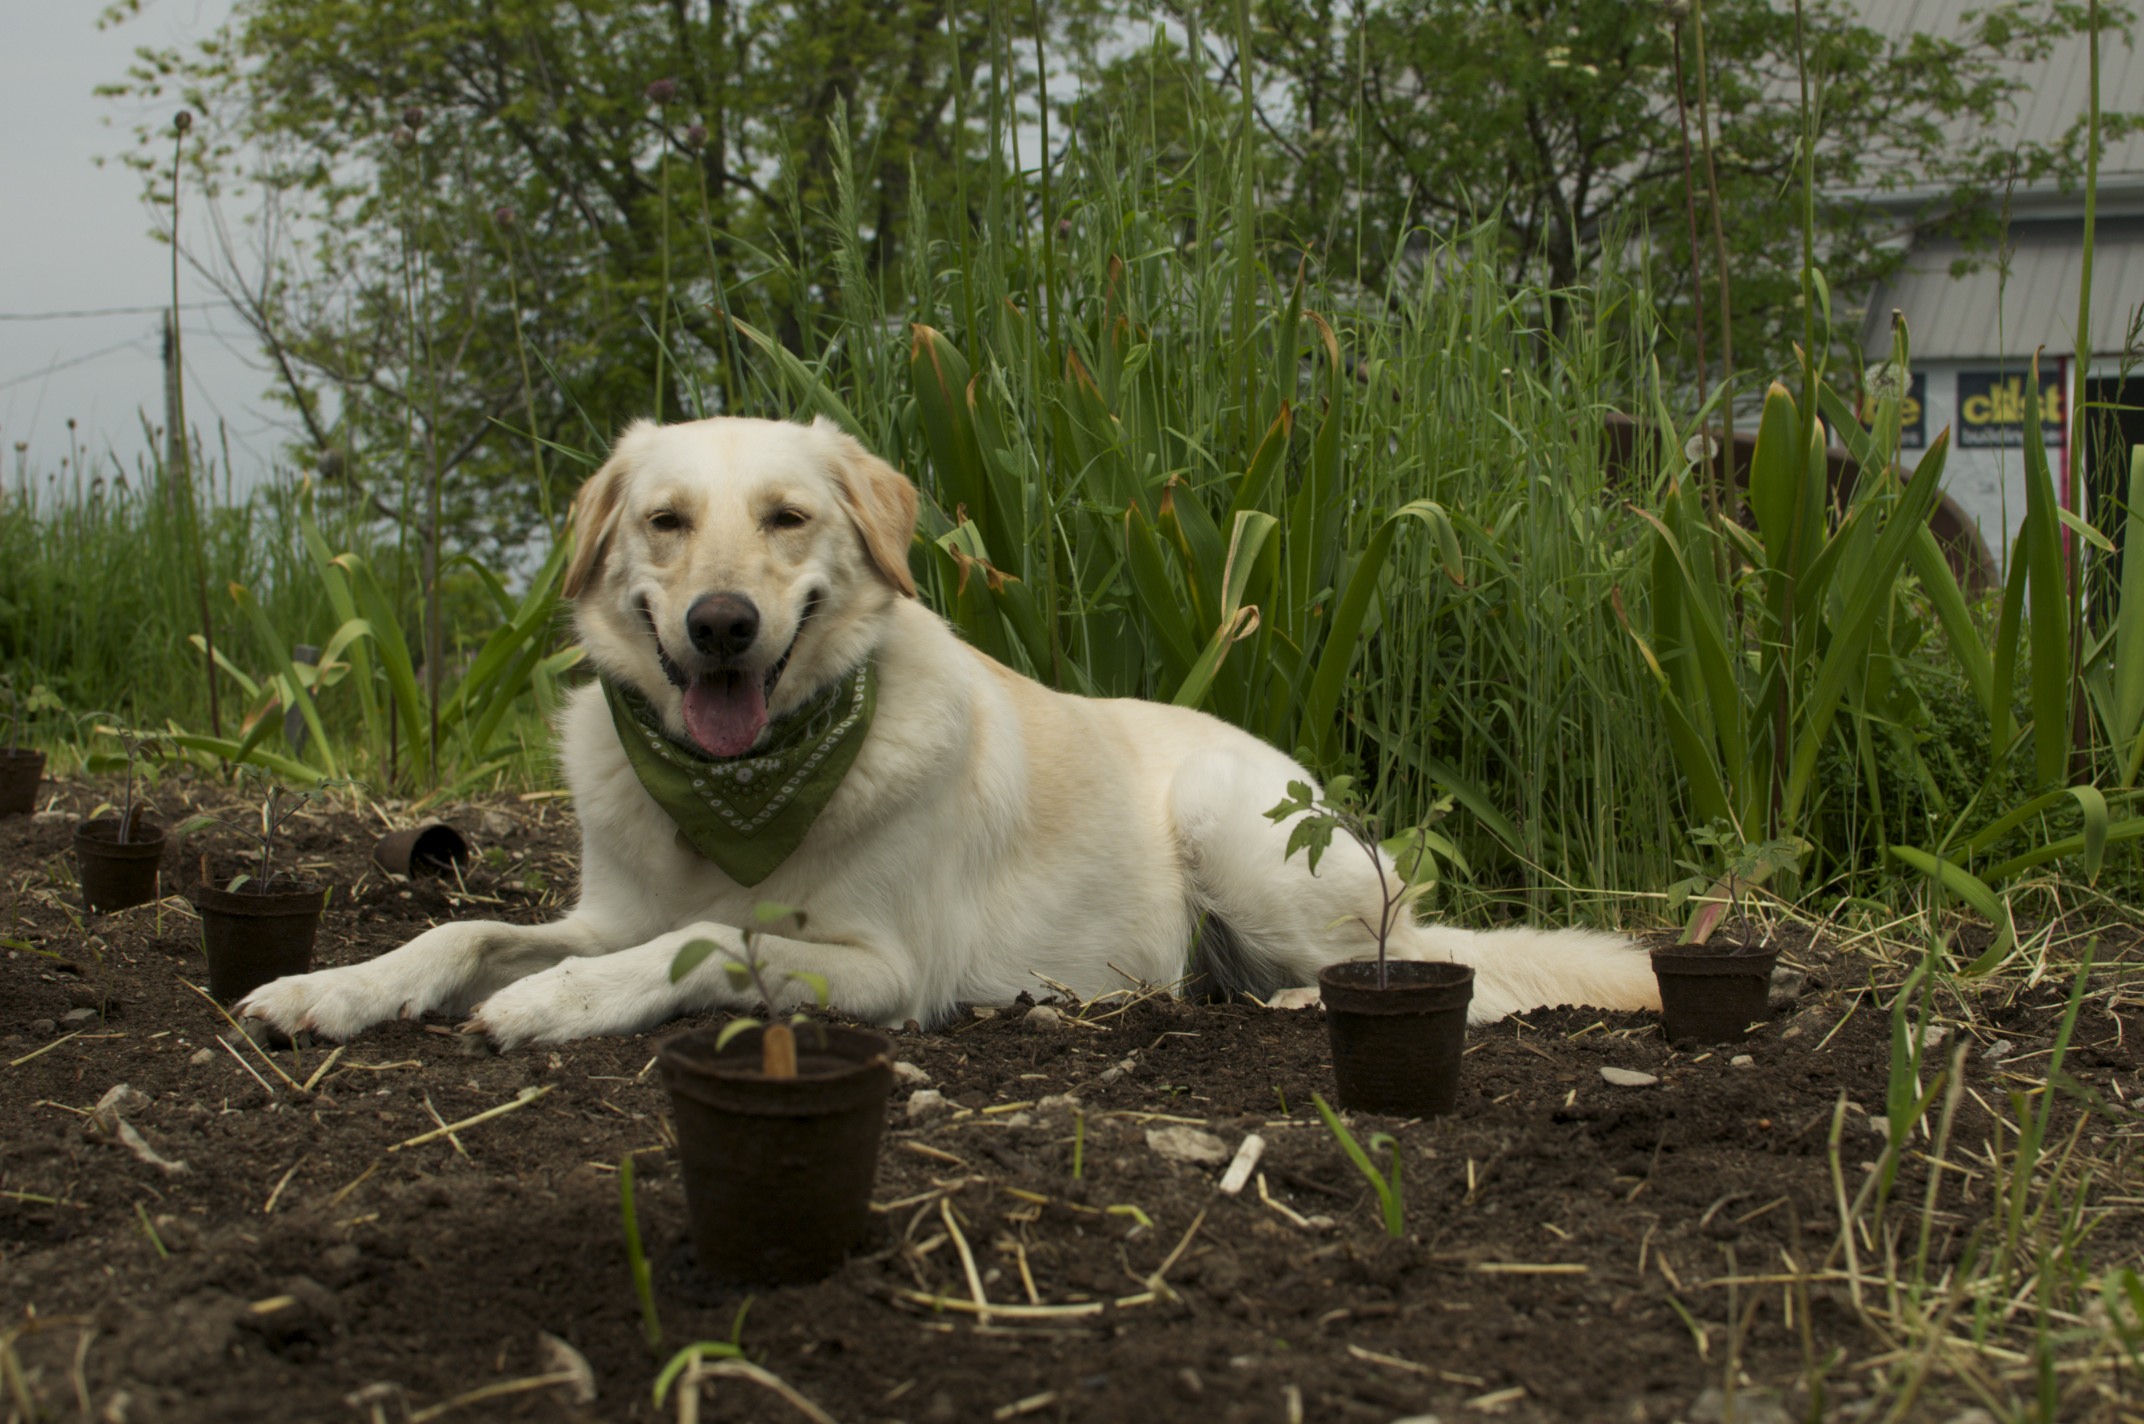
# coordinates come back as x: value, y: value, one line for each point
x: 952, y: 831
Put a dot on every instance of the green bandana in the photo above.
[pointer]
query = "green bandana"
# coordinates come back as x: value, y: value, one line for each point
x: 749, y: 813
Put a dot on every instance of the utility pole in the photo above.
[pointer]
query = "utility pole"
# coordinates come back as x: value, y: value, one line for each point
x: 179, y: 468
x: 174, y: 437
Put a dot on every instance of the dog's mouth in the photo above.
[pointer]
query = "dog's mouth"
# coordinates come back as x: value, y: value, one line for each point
x: 726, y: 708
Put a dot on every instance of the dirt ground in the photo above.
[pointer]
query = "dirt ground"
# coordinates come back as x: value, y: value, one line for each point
x: 309, y: 1247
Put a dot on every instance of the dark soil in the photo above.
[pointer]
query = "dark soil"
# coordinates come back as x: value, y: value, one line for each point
x: 1567, y: 1252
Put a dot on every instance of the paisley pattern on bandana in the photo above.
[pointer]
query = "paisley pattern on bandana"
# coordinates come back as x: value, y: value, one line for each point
x: 749, y: 813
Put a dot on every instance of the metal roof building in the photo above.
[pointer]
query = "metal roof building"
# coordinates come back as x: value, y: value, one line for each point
x: 1976, y: 318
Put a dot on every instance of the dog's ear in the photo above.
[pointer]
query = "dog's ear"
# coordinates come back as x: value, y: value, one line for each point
x: 880, y: 501
x: 595, y: 512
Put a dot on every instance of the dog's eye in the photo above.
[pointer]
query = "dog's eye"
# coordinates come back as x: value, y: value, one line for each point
x: 665, y: 521
x: 788, y: 517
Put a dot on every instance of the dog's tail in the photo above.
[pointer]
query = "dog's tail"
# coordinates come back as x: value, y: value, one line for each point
x: 1520, y: 969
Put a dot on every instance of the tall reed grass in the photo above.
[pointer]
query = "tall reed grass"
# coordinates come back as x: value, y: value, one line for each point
x: 98, y: 602
x: 1164, y: 455
x: 96, y: 593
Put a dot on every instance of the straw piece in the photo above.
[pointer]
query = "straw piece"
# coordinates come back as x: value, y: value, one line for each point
x: 1239, y: 1171
x: 521, y: 1100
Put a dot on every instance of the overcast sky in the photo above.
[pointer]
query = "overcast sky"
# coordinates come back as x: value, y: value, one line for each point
x: 77, y: 238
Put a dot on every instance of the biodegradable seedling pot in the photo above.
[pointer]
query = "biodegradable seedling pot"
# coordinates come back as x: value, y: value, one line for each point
x: 1713, y: 993
x: 434, y: 846
x: 778, y: 1171
x: 1396, y: 1048
x: 116, y: 875
x: 20, y: 772
x: 253, y: 938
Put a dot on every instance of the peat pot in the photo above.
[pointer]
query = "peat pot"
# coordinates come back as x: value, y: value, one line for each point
x: 19, y: 775
x: 434, y: 846
x: 253, y: 938
x: 115, y: 875
x: 1396, y: 1048
x: 1713, y: 994
x: 778, y: 1171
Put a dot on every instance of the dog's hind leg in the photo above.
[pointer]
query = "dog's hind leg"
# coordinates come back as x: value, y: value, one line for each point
x: 1286, y: 924
x: 1264, y: 922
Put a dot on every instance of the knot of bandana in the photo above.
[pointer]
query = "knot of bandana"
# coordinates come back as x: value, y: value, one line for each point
x: 749, y: 813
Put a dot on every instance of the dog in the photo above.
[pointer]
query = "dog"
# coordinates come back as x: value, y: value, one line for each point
x: 742, y: 589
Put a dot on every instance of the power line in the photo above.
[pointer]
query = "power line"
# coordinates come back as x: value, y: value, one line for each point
x: 24, y: 379
x: 106, y: 311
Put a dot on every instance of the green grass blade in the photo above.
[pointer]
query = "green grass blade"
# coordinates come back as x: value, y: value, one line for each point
x: 2047, y: 594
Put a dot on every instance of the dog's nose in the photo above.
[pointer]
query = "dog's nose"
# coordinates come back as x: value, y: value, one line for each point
x: 723, y: 624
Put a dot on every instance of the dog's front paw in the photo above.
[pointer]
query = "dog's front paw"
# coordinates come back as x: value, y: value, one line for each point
x: 333, y: 1003
x: 1305, y: 997
x: 577, y: 999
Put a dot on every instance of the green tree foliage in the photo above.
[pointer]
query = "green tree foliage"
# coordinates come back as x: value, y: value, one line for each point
x: 526, y: 219
x: 497, y: 198
x: 1390, y: 122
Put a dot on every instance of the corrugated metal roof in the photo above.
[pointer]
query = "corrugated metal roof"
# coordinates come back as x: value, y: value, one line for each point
x: 2009, y: 307
x: 2057, y: 89
x: 2027, y: 296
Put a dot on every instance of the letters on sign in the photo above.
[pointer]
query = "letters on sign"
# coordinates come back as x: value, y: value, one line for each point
x: 1991, y: 410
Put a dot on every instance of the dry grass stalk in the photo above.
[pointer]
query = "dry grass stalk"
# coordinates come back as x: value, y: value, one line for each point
x: 521, y: 1100
x: 688, y: 1400
x: 38, y: 1052
x: 967, y: 1259
x: 241, y: 1032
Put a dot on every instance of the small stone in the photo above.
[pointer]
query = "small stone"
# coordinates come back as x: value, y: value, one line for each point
x: 202, y: 1056
x: 982, y: 1011
x: 54, y: 818
x: 78, y: 1018
x: 1933, y: 1035
x: 1628, y: 1078
x: 1110, y: 1075
x: 1189, y: 1385
x: 1187, y: 1145
x: 1995, y: 1052
x: 909, y: 1075
x: 1807, y: 1021
x: 1043, y: 1019
x: 925, y: 1102
x: 1059, y: 1103
x: 498, y: 826
x: 1751, y: 1406
x: 1741, y: 1060
x: 178, y: 1233
x: 1786, y: 986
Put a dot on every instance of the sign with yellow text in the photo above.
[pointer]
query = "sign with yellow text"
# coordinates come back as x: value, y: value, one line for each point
x: 1991, y: 410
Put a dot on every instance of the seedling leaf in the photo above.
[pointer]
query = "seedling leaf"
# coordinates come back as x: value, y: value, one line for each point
x: 691, y: 957
x: 730, y: 1031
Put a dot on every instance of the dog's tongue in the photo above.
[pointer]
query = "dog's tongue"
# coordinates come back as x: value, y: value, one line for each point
x: 724, y: 713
